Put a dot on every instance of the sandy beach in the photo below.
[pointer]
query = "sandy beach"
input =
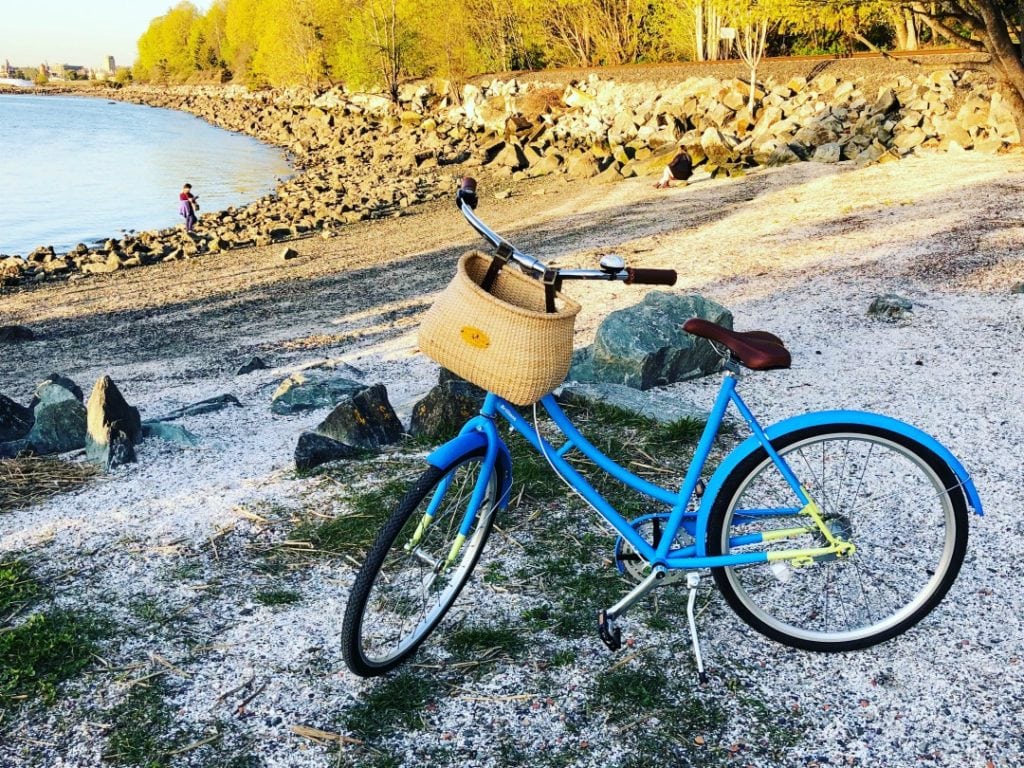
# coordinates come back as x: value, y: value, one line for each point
x: 800, y: 251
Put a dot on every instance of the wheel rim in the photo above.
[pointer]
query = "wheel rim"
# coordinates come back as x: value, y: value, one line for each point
x: 413, y: 589
x: 878, y: 494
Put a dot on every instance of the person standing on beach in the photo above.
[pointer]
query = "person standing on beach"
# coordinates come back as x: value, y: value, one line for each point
x: 679, y: 168
x: 188, y: 204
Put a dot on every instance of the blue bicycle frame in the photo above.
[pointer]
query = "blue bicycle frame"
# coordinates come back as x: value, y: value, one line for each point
x: 481, y: 432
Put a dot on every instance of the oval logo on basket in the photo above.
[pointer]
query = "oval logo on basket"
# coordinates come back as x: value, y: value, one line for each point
x: 475, y: 337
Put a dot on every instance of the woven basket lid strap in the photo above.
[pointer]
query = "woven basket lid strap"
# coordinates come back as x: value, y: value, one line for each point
x: 500, y: 259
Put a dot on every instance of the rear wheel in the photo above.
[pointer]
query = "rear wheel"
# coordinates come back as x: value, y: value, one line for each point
x: 411, y: 576
x: 897, y: 502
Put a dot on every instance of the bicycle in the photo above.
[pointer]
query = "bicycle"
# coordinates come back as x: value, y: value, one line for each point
x: 828, y: 531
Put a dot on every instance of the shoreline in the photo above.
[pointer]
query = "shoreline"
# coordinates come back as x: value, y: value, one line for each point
x: 356, y: 157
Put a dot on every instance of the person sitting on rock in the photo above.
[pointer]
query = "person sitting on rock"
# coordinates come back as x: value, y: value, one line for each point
x: 188, y: 205
x: 679, y: 168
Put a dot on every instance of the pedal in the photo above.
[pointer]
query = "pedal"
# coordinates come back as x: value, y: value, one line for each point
x: 611, y: 635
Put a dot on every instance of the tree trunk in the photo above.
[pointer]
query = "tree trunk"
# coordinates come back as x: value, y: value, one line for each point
x: 698, y: 28
x: 911, y: 31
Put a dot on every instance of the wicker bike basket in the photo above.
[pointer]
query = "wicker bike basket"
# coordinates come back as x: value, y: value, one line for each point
x: 503, y: 341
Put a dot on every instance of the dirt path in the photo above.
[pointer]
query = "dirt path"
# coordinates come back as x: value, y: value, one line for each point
x: 211, y: 312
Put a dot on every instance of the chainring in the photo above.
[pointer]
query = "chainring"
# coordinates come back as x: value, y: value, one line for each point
x: 650, y: 528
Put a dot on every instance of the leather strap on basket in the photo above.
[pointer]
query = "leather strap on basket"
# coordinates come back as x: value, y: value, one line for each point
x: 551, y: 279
x: 500, y: 259
x: 551, y: 284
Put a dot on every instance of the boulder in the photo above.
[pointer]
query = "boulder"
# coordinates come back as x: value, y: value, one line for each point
x: 890, y: 307
x: 15, y: 333
x: 15, y: 419
x: 364, y: 420
x: 650, y: 404
x: 314, y: 449
x: 255, y: 364
x: 54, y: 388
x: 209, y: 405
x: 312, y: 389
x: 443, y: 411
x: 831, y: 152
x: 114, y: 427
x: 172, y: 433
x: 582, y: 165
x: 60, y: 421
x: 645, y: 345
x: 15, y: 448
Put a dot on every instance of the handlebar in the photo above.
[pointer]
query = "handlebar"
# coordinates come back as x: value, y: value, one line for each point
x: 466, y: 200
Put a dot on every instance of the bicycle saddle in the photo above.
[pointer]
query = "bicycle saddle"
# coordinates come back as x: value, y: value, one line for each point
x: 758, y: 350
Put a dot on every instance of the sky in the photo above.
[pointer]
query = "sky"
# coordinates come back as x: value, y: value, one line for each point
x: 81, y: 32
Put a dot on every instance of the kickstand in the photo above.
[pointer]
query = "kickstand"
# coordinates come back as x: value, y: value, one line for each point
x: 692, y: 580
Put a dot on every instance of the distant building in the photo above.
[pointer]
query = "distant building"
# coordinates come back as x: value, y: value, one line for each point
x: 7, y: 71
x: 71, y: 72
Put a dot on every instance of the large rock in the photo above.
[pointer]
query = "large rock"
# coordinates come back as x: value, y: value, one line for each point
x: 114, y: 427
x: 14, y: 333
x: 171, y: 433
x: 312, y: 389
x: 365, y: 420
x: 443, y: 411
x: 651, y: 405
x: 54, y: 388
x: 313, y: 449
x: 891, y: 308
x: 60, y: 421
x: 645, y: 345
x: 15, y: 419
x: 209, y: 405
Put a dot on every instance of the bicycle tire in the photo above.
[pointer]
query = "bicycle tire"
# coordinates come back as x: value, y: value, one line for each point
x: 897, y: 501
x: 400, y: 595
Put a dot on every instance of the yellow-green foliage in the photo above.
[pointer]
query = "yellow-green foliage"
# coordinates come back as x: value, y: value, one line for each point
x: 379, y: 43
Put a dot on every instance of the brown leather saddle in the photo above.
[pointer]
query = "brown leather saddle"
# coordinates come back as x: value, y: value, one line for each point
x: 758, y: 350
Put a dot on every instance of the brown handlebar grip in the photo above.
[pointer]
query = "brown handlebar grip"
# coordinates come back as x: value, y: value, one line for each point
x: 651, y: 276
x: 467, y: 192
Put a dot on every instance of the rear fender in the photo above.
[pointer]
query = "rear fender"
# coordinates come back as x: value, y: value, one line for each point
x: 751, y: 444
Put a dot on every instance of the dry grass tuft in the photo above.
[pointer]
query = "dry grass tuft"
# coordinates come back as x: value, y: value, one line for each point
x: 30, y: 480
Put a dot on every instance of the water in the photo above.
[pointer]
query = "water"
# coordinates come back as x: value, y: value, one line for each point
x: 80, y: 170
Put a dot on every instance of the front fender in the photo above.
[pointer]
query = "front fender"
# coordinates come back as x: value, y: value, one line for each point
x: 470, y: 441
x: 751, y: 444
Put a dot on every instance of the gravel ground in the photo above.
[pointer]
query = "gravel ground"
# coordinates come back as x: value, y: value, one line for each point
x: 800, y: 251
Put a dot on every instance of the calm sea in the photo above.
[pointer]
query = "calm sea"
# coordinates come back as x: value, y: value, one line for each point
x: 80, y: 170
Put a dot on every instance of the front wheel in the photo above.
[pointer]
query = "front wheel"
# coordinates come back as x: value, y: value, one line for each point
x: 897, y: 502
x: 417, y: 566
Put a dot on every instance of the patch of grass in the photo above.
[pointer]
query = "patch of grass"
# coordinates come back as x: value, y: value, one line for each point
x: 150, y: 610
x: 681, y: 432
x: 626, y: 691
x: 563, y: 658
x: 47, y: 649
x: 532, y: 475
x: 17, y: 588
x: 677, y: 726
x: 353, y: 533
x: 140, y: 726
x: 278, y: 597
x: 471, y: 643
x: 397, y: 703
x: 30, y: 480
